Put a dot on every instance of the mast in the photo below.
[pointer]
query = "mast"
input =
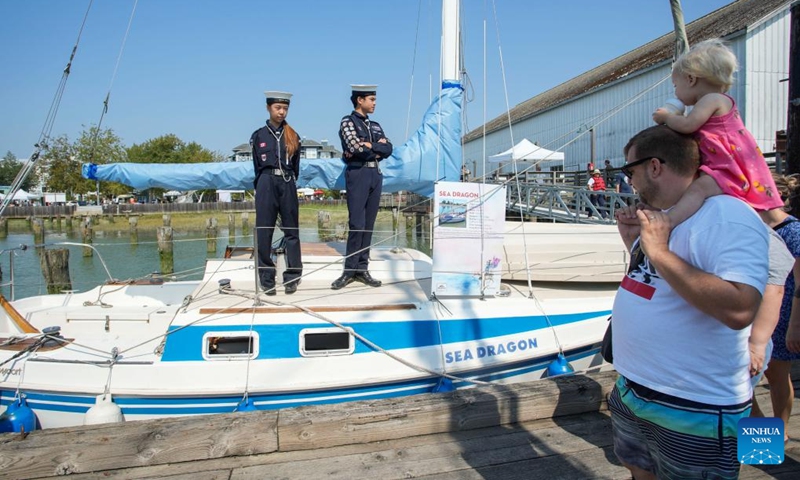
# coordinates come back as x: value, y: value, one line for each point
x: 451, y: 45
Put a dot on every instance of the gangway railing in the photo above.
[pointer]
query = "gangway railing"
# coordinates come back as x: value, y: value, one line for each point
x: 565, y: 203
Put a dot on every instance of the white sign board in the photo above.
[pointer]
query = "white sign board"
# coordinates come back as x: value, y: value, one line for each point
x: 468, y: 226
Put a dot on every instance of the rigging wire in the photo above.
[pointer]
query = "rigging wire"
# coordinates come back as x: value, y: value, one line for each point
x: 47, y: 128
x: 110, y: 85
x: 413, y: 67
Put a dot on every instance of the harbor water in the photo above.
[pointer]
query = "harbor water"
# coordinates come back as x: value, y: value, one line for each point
x: 126, y: 260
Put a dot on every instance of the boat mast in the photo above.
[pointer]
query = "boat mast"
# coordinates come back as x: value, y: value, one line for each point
x: 451, y: 45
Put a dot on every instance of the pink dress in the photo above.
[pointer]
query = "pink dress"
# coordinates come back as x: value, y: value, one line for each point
x: 730, y: 155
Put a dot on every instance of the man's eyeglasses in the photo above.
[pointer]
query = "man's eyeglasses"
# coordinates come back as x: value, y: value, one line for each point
x: 627, y: 168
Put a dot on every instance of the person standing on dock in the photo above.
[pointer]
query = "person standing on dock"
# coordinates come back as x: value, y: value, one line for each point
x: 681, y: 319
x: 276, y: 158
x: 364, y: 145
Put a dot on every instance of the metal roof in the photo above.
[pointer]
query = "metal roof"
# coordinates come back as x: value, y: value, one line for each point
x: 720, y: 23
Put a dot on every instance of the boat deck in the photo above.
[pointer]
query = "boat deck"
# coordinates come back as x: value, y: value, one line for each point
x: 548, y: 429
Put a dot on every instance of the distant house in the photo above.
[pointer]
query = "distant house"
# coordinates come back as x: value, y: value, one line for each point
x: 308, y: 149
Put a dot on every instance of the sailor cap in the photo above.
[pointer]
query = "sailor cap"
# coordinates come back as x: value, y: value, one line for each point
x: 364, y: 90
x: 277, y: 97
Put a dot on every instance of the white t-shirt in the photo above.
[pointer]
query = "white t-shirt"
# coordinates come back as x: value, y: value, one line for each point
x: 662, y: 342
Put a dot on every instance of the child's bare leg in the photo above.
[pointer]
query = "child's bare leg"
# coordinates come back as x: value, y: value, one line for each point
x: 781, y: 390
x: 691, y: 201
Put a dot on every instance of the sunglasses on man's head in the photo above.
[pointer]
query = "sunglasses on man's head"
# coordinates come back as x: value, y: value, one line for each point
x: 627, y: 168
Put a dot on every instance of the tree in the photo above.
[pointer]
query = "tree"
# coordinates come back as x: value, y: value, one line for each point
x: 171, y: 149
x: 101, y: 147
x: 61, y: 168
x: 10, y: 167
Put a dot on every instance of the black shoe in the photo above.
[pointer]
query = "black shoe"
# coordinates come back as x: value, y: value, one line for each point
x: 268, y: 287
x: 366, y: 279
x: 291, y: 286
x: 341, y: 282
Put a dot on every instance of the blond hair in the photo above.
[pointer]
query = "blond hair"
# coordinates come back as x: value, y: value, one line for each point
x: 711, y: 60
x: 787, y: 188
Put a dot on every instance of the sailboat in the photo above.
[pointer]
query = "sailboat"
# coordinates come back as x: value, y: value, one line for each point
x: 142, y: 350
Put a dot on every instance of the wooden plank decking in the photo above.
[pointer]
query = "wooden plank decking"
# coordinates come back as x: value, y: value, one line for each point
x: 555, y: 429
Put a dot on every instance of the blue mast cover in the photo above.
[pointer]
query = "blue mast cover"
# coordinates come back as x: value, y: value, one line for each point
x: 412, y: 166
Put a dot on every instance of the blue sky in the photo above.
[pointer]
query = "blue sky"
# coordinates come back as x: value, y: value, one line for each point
x: 198, y: 68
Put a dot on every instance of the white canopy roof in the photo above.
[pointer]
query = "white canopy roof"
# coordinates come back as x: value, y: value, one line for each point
x: 23, y: 195
x: 525, y: 151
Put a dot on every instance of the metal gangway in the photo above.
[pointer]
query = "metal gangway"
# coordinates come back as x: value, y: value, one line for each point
x: 562, y: 197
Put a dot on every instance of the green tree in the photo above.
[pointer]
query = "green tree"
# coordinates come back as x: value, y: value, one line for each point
x: 10, y: 167
x: 100, y: 147
x: 171, y: 149
x: 61, y: 168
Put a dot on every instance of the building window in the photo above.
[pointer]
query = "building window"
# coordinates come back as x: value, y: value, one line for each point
x: 311, y: 153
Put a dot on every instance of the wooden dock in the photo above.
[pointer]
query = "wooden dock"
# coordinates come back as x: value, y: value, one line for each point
x: 553, y: 429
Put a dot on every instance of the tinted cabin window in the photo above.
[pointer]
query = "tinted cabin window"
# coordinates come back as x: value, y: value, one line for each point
x: 229, y: 345
x: 316, y: 342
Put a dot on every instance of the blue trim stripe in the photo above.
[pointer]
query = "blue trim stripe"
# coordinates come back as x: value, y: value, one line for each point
x: 282, y: 341
x: 224, y: 404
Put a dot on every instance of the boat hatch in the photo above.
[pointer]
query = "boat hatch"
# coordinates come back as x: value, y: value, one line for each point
x: 230, y: 345
x: 324, y: 342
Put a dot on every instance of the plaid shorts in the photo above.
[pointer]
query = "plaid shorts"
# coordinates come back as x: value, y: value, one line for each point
x: 672, y: 437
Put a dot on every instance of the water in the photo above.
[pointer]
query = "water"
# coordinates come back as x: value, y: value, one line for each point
x: 126, y: 260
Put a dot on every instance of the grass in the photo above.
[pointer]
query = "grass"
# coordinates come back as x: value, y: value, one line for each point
x: 188, y: 221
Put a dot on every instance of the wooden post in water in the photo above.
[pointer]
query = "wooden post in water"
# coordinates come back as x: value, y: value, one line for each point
x: 232, y: 227
x: 133, y: 222
x: 28, y: 221
x: 55, y: 268
x: 211, y: 235
x: 340, y: 231
x: 110, y: 218
x: 3, y: 227
x: 86, y: 231
x: 409, y: 229
x: 166, y: 219
x: 37, y: 224
x: 165, y: 250
x: 395, y: 220
x: 324, y: 226
x: 58, y: 223
x: 246, y: 224
x: 68, y: 221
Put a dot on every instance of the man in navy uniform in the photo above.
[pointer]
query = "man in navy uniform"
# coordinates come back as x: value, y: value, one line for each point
x: 276, y: 158
x: 364, y: 145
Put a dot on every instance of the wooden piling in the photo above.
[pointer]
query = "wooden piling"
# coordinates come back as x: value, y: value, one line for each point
x: 133, y: 222
x: 211, y: 235
x: 55, y: 268
x: 3, y: 227
x: 165, y: 250
x: 28, y: 221
x: 340, y: 231
x: 246, y: 224
x: 88, y: 234
x: 110, y: 218
x: 166, y: 219
x: 58, y: 223
x: 37, y: 225
x: 324, y: 230
x: 68, y: 222
x: 395, y: 220
x: 232, y: 227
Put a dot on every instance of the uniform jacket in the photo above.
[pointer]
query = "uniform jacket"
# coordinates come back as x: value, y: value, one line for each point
x: 356, y: 128
x: 266, y: 151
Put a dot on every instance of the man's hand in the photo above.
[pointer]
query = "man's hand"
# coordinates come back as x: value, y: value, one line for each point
x: 366, y: 144
x: 758, y: 353
x: 382, y: 140
x: 627, y: 225
x: 654, y: 233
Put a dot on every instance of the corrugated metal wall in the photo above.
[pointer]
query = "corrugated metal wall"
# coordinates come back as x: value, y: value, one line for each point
x: 763, y: 54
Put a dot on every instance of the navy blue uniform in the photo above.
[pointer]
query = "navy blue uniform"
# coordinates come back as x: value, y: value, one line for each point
x: 276, y: 193
x: 363, y: 180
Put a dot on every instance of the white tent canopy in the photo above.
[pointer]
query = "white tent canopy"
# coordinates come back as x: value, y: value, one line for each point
x: 22, y: 195
x: 525, y: 151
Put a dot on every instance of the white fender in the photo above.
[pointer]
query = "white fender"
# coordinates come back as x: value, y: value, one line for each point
x: 103, y: 411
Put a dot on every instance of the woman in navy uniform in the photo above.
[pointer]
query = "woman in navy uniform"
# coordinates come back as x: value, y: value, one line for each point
x: 276, y: 158
x: 363, y: 145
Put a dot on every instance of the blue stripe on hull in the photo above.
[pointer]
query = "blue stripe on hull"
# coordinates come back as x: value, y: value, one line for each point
x: 281, y: 341
x: 173, y: 406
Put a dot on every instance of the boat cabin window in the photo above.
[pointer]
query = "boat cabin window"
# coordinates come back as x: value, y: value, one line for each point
x: 321, y: 342
x: 230, y: 345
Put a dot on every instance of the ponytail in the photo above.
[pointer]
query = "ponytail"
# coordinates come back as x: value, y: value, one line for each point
x: 292, y: 140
